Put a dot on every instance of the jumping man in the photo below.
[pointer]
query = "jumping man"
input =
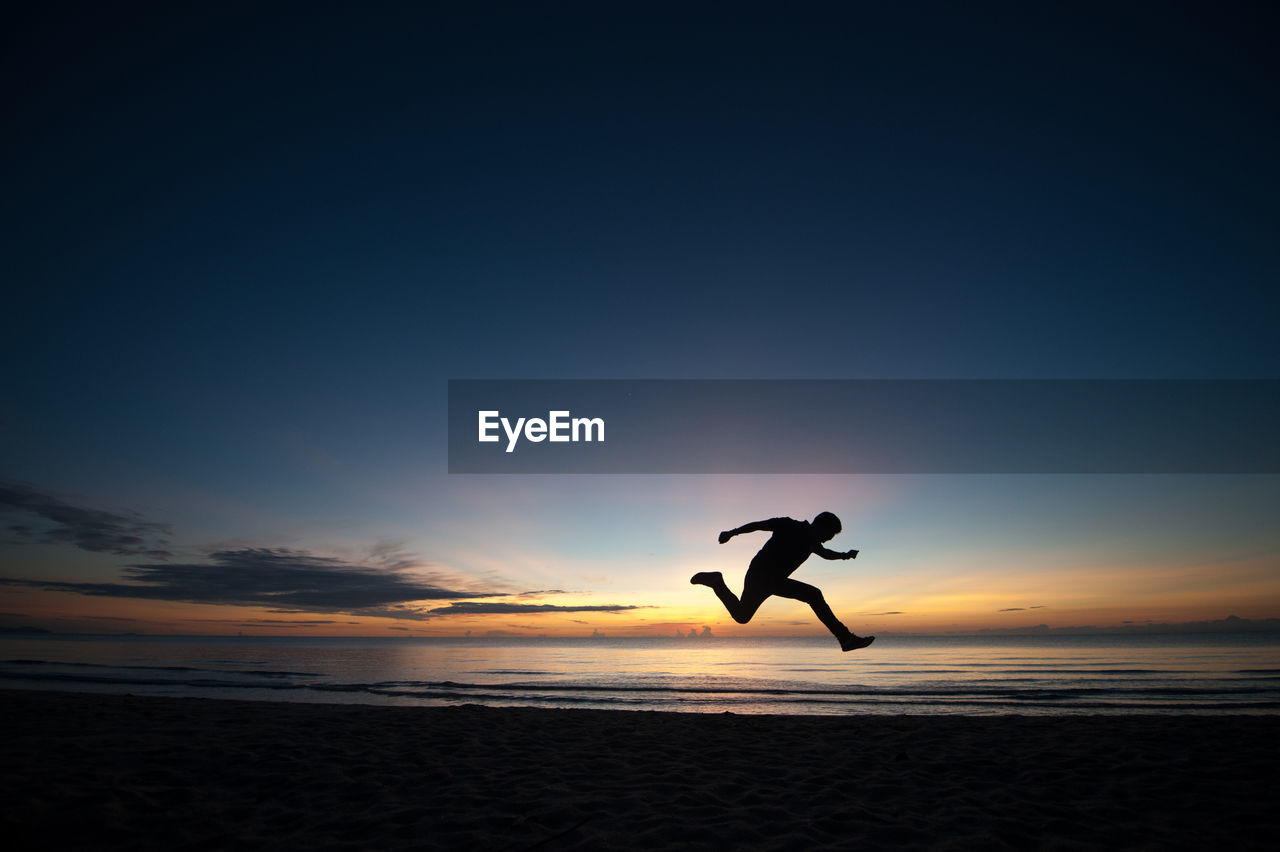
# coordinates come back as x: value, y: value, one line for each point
x: 771, y: 569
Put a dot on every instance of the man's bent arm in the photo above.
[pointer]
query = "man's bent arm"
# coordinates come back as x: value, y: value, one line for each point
x: 757, y: 526
x: 832, y: 554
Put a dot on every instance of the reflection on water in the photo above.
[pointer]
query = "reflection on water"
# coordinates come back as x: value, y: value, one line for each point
x: 923, y: 675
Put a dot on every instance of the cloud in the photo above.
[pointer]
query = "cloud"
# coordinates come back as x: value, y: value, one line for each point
x: 94, y: 530
x: 391, y: 554
x: 1230, y: 624
x: 292, y: 622
x: 285, y: 580
x: 1013, y: 609
x: 385, y: 583
x: 891, y: 612
x: 488, y: 608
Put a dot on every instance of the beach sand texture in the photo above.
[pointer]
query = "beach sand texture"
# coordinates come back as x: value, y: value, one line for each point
x: 113, y: 771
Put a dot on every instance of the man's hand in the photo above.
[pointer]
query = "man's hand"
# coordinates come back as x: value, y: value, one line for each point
x: 852, y: 554
x: 725, y: 536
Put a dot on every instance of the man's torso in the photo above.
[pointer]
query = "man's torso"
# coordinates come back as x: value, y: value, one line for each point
x: 786, y: 550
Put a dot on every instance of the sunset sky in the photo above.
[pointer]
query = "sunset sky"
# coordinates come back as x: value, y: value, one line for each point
x: 247, y: 247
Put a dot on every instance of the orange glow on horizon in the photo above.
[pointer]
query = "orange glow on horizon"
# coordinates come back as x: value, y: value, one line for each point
x: 925, y: 601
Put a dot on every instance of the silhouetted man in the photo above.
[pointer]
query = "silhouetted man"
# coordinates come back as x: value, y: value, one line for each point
x: 771, y: 569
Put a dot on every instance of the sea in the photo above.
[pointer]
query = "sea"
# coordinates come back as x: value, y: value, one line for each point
x: 973, y: 676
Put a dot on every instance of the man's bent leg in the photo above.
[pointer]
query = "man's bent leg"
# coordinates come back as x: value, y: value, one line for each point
x: 715, y: 580
x: 812, y: 595
x: 740, y: 610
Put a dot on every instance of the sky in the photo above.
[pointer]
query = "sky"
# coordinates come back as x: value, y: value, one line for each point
x: 247, y: 246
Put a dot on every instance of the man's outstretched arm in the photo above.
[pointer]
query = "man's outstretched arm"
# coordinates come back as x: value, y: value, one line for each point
x: 834, y: 554
x: 758, y: 526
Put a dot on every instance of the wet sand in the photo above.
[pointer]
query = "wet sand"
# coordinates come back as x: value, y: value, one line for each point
x: 124, y: 772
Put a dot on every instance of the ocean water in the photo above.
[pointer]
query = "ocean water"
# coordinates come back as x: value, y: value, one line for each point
x: 1209, y: 674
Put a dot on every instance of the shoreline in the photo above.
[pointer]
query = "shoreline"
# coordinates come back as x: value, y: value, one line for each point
x: 105, y: 771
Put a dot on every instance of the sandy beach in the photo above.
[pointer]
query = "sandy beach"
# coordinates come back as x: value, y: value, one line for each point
x: 124, y: 772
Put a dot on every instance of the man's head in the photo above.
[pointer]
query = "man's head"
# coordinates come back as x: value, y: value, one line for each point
x: 826, y: 525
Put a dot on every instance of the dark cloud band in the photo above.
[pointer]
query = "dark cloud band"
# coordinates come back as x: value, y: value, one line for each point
x: 279, y: 578
x: 486, y: 608
x: 95, y: 530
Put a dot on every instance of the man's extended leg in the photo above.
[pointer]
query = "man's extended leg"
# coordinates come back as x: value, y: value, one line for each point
x: 812, y: 595
x: 740, y: 610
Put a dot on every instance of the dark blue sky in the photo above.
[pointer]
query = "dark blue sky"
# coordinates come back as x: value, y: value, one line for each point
x: 212, y: 215
x: 246, y: 246
x: 341, y: 199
